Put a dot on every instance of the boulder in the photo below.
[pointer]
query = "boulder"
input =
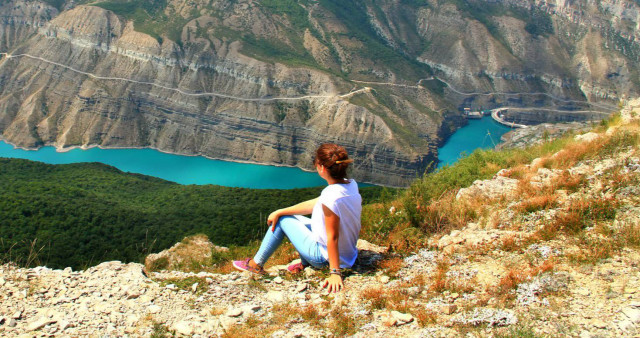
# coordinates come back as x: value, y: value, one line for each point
x: 492, y: 189
x: 184, y: 327
x: 368, y: 255
x: 191, y: 251
x: 588, y: 137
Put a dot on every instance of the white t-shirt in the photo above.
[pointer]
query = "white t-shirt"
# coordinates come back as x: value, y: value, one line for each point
x: 345, y: 201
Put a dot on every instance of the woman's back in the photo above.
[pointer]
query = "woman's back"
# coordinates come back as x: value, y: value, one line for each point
x: 345, y: 201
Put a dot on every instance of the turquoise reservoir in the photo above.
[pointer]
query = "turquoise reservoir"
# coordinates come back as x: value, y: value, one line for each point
x: 482, y: 133
x: 176, y: 168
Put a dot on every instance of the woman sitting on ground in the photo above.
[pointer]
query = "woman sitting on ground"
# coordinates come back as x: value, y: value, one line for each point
x: 330, y: 236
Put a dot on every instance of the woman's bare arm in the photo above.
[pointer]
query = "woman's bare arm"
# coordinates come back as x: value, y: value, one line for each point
x: 332, y: 224
x: 303, y: 208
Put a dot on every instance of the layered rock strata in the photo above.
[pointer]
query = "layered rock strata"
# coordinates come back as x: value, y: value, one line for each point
x: 253, y: 81
x: 88, y: 78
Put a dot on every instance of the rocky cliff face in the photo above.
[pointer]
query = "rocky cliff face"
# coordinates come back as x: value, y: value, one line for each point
x: 268, y: 81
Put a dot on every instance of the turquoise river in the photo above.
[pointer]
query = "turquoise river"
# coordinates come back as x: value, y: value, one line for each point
x: 200, y: 170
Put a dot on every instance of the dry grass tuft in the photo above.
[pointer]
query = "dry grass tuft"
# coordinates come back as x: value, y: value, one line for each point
x: 525, y: 188
x: 311, y: 315
x: 536, y: 203
x: 404, y: 238
x: 587, y: 212
x: 283, y: 313
x: 424, y: 316
x: 342, y: 323
x: 511, y: 280
x: 160, y: 330
x: 570, y: 155
x: 605, y: 146
x: 376, y: 296
x: 547, y: 232
x: 447, y: 213
x: 518, y: 172
x: 503, y: 291
x: 192, y: 254
x: 591, y: 249
x: 510, y: 244
x: 391, y: 265
x: 440, y: 280
x: 399, y: 300
x: 629, y: 235
x: 566, y: 181
x: 253, y: 327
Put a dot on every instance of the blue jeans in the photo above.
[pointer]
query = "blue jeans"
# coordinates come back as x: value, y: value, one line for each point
x: 298, y: 230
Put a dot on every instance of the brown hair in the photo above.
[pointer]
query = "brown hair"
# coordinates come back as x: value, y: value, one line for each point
x: 334, y: 158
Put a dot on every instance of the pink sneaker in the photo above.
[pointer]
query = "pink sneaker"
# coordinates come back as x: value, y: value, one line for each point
x: 295, y: 268
x: 243, y: 265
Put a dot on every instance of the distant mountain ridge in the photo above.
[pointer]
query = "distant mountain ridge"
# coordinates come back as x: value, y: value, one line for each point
x: 267, y: 81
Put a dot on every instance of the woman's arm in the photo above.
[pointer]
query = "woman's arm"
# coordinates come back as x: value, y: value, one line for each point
x: 332, y: 224
x: 303, y: 208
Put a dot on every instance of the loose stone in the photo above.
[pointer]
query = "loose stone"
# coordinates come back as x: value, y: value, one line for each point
x: 154, y: 309
x: 402, y: 318
x: 301, y: 287
x: 632, y: 313
x: 39, y: 323
x: 234, y: 313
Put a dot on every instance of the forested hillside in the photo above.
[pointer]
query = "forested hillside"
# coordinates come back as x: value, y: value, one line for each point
x: 83, y: 214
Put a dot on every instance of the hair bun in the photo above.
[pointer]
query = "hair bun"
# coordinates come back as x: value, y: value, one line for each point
x: 330, y: 155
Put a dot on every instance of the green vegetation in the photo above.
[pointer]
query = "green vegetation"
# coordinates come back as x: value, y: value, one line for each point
x: 271, y: 50
x: 537, y: 22
x: 434, y: 85
x: 160, y: 331
x: 353, y: 15
x: 82, y: 214
x: 148, y: 17
x: 291, y: 9
x: 415, y: 3
x: 285, y: 44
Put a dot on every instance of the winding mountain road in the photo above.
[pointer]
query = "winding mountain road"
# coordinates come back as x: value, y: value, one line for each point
x: 183, y: 92
x: 453, y: 89
x: 304, y: 97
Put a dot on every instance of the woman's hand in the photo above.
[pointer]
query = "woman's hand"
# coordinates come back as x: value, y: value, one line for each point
x: 273, y: 219
x: 333, y: 283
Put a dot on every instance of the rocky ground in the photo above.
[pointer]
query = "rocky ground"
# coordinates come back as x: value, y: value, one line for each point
x: 117, y: 299
x: 518, y: 271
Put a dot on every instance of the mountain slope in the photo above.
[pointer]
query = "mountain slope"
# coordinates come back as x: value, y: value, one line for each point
x: 266, y: 81
x: 534, y: 247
